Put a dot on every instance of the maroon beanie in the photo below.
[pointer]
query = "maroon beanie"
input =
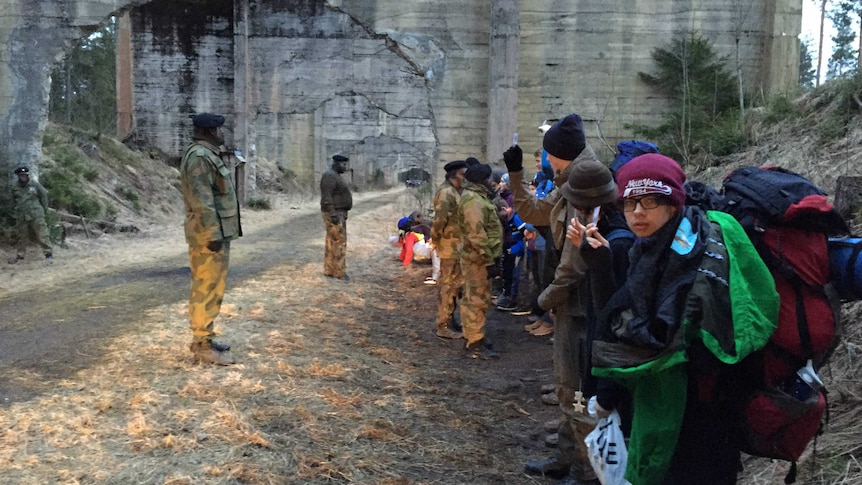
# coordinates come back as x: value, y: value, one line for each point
x: 652, y: 173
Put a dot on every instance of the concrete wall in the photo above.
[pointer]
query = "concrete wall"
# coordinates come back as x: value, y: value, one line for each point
x: 392, y: 83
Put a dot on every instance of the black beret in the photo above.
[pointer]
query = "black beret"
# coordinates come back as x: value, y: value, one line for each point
x: 208, y: 120
x: 340, y: 158
x: 22, y: 170
x: 472, y: 161
x: 478, y: 173
x: 455, y: 165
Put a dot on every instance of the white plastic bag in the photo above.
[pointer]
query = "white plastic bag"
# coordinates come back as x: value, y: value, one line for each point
x: 421, y: 251
x: 606, y: 447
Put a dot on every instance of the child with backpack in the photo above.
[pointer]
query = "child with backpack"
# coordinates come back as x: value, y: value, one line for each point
x: 696, y: 301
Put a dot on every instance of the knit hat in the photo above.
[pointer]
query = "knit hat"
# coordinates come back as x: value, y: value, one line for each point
x: 565, y: 140
x: 590, y: 184
x: 478, y: 173
x: 652, y: 173
x: 455, y: 165
x: 472, y: 161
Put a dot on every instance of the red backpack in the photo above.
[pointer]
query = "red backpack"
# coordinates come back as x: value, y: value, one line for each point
x: 788, y: 219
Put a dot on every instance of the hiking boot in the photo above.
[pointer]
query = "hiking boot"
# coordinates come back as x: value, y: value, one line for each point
x: 205, y: 353
x: 446, y: 332
x: 550, y: 399
x: 219, y: 347
x: 532, y: 326
x: 543, y: 329
x: 15, y: 259
x: 482, y: 350
x: 504, y: 303
x: 553, y: 425
x: 549, y: 468
x: 552, y: 439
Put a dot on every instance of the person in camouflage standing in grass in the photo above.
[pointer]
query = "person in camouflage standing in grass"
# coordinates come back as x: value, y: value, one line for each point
x: 446, y: 239
x: 335, y: 202
x: 30, y: 204
x: 212, y: 221
x: 481, y: 245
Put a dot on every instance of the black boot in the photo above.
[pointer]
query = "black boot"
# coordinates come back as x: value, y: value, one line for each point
x: 205, y: 353
x: 482, y: 350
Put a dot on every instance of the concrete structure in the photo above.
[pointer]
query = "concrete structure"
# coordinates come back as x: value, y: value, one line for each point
x: 394, y: 84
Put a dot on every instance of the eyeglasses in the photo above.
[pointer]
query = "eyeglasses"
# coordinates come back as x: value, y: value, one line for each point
x: 647, y: 202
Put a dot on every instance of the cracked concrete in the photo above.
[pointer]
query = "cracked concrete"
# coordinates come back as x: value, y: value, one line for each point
x: 394, y: 84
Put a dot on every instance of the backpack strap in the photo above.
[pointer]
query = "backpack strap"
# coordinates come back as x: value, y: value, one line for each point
x: 619, y: 233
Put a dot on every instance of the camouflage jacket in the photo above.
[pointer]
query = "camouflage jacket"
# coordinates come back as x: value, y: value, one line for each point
x: 479, y: 224
x: 445, y: 233
x: 334, y: 193
x: 212, y: 209
x: 30, y: 201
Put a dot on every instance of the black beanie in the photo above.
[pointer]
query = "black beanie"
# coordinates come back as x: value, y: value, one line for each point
x: 472, y: 161
x: 478, y: 173
x: 565, y: 140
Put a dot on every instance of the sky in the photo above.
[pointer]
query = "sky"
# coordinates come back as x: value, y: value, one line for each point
x: 811, y: 32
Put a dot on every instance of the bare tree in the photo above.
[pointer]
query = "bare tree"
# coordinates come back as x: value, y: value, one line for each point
x: 820, y: 40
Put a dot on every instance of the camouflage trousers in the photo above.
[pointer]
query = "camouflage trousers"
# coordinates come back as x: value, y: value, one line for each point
x: 209, y: 279
x: 475, y: 302
x: 334, y: 257
x: 450, y: 283
x: 35, y: 230
x: 569, y: 332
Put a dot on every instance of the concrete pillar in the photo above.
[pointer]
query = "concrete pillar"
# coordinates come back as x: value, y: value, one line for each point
x: 125, y: 81
x: 782, y: 43
x: 243, y: 129
x: 503, y: 77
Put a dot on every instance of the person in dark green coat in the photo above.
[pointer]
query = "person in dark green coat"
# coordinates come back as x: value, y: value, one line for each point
x: 30, y: 204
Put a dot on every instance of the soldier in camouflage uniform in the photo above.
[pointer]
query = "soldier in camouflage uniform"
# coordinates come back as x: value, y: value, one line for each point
x: 212, y: 221
x: 481, y: 244
x: 446, y: 239
x: 335, y: 202
x: 30, y: 204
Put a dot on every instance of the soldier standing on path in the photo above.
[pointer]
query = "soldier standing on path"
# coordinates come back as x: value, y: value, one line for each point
x: 30, y: 203
x: 212, y: 221
x: 335, y: 202
x: 481, y: 245
x: 446, y: 238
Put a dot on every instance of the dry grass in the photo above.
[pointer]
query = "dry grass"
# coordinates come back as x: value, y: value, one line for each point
x: 336, y: 383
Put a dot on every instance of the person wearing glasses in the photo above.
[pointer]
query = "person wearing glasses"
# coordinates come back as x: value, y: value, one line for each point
x: 695, y: 302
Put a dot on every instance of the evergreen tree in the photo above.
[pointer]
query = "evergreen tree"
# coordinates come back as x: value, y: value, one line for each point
x: 83, y: 85
x: 806, y: 66
x: 704, y: 114
x: 844, y: 54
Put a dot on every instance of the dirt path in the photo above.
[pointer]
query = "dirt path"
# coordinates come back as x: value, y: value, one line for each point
x: 336, y: 382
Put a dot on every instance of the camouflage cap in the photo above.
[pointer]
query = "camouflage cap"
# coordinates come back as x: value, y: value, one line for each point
x: 208, y: 120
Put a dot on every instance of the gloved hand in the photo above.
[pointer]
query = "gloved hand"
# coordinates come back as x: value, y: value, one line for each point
x: 494, y: 271
x: 335, y: 218
x: 536, y: 309
x: 514, y: 159
x: 215, y: 246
